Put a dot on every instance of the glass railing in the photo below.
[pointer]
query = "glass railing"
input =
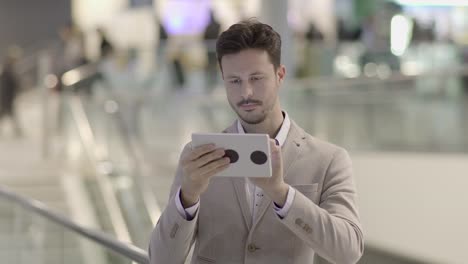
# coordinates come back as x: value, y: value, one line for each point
x: 32, y: 233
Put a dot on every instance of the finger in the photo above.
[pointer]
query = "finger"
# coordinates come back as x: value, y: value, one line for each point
x: 273, y: 146
x: 215, y: 171
x: 207, y: 158
x: 194, y: 165
x: 192, y: 169
x: 276, y: 156
x: 213, y: 166
x: 199, y: 151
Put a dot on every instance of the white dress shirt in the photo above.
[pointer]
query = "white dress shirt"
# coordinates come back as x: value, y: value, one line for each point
x: 254, y: 194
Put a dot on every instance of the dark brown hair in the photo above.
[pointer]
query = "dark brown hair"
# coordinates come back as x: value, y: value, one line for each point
x: 250, y: 34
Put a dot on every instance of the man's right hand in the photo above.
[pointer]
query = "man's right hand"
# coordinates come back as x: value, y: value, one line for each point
x: 198, y: 166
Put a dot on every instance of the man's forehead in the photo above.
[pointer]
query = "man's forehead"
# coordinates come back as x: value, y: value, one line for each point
x: 247, y: 54
x: 246, y: 63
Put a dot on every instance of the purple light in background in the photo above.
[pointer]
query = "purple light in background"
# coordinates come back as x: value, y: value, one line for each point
x: 186, y: 17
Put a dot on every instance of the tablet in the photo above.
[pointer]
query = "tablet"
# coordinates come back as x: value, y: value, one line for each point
x: 249, y: 153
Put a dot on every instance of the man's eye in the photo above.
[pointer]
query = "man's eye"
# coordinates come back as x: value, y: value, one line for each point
x: 237, y: 81
x: 256, y: 78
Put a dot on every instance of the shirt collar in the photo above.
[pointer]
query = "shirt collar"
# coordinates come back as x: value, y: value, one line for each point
x: 282, y: 133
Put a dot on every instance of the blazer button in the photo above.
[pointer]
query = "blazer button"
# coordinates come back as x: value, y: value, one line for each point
x: 252, y: 248
x: 307, y: 228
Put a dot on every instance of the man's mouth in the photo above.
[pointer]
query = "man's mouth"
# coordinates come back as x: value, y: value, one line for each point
x: 249, y: 106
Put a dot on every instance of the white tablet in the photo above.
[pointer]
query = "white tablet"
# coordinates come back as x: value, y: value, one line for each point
x: 249, y: 153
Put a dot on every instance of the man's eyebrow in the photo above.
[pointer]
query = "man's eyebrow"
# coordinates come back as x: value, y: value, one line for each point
x: 232, y: 77
x: 251, y: 74
x: 257, y: 73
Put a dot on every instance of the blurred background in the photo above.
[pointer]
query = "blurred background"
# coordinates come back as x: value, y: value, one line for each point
x: 97, y: 98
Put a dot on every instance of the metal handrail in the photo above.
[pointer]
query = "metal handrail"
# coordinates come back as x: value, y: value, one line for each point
x: 127, y: 250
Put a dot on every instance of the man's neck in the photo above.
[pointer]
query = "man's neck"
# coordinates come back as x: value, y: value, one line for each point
x: 269, y: 126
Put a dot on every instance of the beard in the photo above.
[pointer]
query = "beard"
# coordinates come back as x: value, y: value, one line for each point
x: 254, y: 117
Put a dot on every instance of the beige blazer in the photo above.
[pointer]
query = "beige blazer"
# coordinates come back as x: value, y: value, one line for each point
x: 322, y: 220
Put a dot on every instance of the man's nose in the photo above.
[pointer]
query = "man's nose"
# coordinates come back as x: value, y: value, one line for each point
x: 246, y: 90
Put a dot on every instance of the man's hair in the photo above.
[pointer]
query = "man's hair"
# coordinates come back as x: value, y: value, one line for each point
x: 250, y: 34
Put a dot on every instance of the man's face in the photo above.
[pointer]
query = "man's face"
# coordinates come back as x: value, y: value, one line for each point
x: 252, y: 84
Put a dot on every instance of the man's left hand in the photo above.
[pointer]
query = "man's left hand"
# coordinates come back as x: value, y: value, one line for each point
x: 274, y: 186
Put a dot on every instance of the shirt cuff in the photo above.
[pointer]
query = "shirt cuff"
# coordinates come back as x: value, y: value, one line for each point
x: 186, y: 213
x: 282, y: 212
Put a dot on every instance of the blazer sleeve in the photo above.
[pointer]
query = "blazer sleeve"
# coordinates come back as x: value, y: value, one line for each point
x: 173, y: 235
x: 332, y: 228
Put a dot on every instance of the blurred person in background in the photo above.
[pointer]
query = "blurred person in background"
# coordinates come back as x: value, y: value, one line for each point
x: 9, y: 89
x: 73, y: 48
x: 376, y: 36
x: 310, y: 65
x: 72, y: 52
x: 171, y: 55
x: 162, y: 45
x: 210, y: 35
x: 347, y: 32
x: 106, y: 48
x: 464, y: 78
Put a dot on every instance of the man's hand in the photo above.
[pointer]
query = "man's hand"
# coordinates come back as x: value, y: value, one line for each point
x: 274, y: 187
x: 198, y: 166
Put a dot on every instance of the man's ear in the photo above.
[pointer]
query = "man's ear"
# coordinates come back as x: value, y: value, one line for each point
x: 281, y: 73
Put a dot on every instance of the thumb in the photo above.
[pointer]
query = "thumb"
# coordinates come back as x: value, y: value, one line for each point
x: 275, y: 151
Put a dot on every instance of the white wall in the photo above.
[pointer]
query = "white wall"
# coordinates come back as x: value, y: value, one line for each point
x: 415, y: 204
x: 89, y: 13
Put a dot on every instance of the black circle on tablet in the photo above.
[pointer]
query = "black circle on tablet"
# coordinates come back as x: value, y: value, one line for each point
x: 232, y: 155
x: 258, y: 157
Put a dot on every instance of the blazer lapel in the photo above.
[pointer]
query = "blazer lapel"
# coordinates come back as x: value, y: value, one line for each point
x: 290, y: 151
x: 239, y: 187
x: 232, y: 128
x: 292, y: 147
x: 266, y: 202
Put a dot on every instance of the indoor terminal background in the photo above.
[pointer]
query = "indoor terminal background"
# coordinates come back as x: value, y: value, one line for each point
x: 100, y: 133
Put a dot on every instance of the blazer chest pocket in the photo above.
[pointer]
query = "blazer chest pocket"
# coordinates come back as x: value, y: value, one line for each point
x: 309, y: 190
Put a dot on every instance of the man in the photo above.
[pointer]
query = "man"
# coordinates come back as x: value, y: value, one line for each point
x: 210, y: 35
x: 306, y: 208
x: 9, y: 89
